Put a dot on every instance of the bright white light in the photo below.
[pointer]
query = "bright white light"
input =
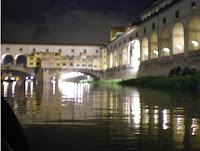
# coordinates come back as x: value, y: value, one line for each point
x: 26, y: 77
x: 6, y: 78
x: 179, y: 46
x: 31, y: 88
x: 155, y: 52
x: 165, y: 119
x: 166, y: 49
x: 54, y: 78
x: 13, y: 88
x: 70, y: 75
x: 195, y: 43
x: 32, y: 77
x: 12, y: 78
x: 5, y: 84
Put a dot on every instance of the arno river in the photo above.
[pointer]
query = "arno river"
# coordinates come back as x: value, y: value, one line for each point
x: 73, y: 116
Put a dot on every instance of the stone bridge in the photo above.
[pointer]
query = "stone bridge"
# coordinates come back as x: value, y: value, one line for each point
x: 44, y: 74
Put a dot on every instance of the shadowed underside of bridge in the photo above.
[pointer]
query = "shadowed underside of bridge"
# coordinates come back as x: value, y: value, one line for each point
x: 44, y: 75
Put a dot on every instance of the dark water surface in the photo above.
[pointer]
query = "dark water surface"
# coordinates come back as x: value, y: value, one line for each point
x: 72, y: 116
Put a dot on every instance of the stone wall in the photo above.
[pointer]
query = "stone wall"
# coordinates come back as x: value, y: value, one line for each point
x: 155, y: 67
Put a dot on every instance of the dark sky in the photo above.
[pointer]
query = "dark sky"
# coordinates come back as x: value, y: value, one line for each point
x: 66, y: 21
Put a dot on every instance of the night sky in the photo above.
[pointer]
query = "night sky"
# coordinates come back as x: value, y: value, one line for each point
x: 66, y: 21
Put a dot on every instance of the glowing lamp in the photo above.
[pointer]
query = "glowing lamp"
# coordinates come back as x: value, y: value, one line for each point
x: 195, y: 43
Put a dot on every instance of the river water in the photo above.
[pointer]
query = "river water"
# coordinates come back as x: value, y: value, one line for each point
x: 73, y: 116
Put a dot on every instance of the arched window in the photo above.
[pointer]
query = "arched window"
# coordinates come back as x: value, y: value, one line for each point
x: 124, y: 55
x: 194, y: 33
x: 178, y: 39
x: 145, y: 49
x: 8, y: 59
x: 111, y: 60
x: 165, y: 43
x: 154, y: 46
x: 115, y: 59
x: 136, y: 54
x: 21, y: 60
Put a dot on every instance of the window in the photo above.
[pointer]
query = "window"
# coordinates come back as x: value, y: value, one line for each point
x: 51, y: 59
x: 7, y: 49
x: 153, y: 26
x: 31, y: 58
x: 20, y: 49
x: 136, y: 34
x: 64, y: 64
x: 72, y: 50
x: 83, y: 60
x: 44, y: 63
x: 77, y: 65
x: 71, y: 64
x: 47, y: 50
x: 60, y: 50
x: 193, y: 6
x: 177, y: 14
x: 83, y: 65
x: 97, y: 51
x: 31, y: 63
x: 34, y: 49
x: 144, y: 30
x: 85, y: 50
x: 38, y: 59
x: 37, y: 63
x: 58, y: 64
x: 164, y: 20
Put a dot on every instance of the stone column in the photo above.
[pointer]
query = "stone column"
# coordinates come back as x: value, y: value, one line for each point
x: 186, y: 47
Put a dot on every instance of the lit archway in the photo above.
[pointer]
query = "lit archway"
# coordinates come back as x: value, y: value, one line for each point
x: 178, y: 39
x: 136, y: 54
x: 21, y: 59
x: 8, y: 59
x: 115, y: 59
x: 154, y: 46
x: 194, y: 33
x: 111, y: 60
x: 108, y: 60
x: 165, y: 43
x: 120, y: 57
x: 124, y: 55
x: 145, y: 49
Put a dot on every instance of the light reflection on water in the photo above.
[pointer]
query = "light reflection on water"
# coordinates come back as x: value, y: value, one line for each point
x: 139, y: 114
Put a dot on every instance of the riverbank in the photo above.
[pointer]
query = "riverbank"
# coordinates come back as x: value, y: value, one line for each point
x: 181, y: 82
x: 178, y: 82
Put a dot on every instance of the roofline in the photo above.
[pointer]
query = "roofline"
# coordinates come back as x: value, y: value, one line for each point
x: 58, y: 44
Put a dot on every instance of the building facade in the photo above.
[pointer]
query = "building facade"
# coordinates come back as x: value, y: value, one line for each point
x: 168, y: 30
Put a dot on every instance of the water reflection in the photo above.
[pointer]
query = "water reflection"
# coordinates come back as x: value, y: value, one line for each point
x: 130, y: 114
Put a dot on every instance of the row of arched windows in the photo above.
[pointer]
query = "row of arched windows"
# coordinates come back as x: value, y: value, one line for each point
x: 177, y: 40
x: 166, y: 44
